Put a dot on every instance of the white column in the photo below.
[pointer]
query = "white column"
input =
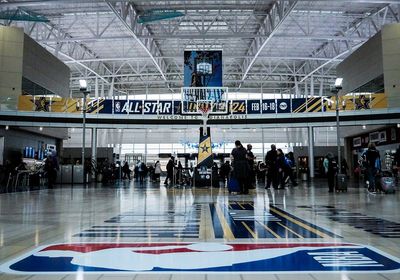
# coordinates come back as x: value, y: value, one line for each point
x: 321, y: 88
x: 311, y: 150
x: 94, y: 150
x: 312, y: 87
x: 96, y: 88
x: 263, y: 144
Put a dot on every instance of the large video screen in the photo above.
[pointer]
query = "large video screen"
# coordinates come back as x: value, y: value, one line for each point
x: 203, y: 69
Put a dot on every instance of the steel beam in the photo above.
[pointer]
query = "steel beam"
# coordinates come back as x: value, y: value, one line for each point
x: 272, y: 22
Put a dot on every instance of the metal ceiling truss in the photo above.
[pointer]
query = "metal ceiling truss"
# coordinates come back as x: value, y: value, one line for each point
x: 365, y: 27
x: 70, y: 50
x: 277, y: 14
x: 128, y: 15
x: 242, y: 29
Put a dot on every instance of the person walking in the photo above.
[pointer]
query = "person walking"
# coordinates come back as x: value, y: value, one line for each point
x: 373, y: 165
x: 288, y: 169
x: 272, y: 168
x: 240, y: 166
x: 170, y: 172
x: 126, y: 171
x: 157, y: 171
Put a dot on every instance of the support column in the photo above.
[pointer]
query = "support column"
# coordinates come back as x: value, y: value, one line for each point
x: 94, y: 151
x: 311, y: 151
x: 96, y: 88
x: 263, y: 144
x: 312, y: 87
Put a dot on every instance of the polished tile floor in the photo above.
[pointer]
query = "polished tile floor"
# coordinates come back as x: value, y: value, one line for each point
x: 108, y: 223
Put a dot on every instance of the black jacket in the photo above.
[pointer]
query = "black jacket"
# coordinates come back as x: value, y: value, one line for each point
x: 240, y: 165
x: 271, y: 159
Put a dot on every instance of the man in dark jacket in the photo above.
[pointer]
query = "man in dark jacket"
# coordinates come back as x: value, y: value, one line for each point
x: 170, y: 172
x: 240, y: 166
x: 372, y: 160
x: 272, y: 168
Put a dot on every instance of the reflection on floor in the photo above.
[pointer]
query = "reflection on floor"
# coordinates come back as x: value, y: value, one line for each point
x: 377, y: 226
x: 242, y: 220
x: 301, y: 230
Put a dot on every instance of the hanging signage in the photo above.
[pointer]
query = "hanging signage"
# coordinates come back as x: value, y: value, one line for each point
x: 284, y: 106
x: 268, y: 106
x: 171, y: 108
x: 253, y: 107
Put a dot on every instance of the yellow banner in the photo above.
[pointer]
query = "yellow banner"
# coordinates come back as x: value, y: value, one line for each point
x: 360, y: 102
x: 204, y: 150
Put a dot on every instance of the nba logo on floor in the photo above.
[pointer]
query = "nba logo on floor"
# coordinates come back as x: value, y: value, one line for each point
x: 203, y: 257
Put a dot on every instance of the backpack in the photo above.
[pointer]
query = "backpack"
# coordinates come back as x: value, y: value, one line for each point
x: 288, y: 162
x: 332, y: 165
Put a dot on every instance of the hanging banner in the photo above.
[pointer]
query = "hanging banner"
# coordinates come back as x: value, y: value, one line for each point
x: 253, y: 107
x: 284, y: 106
x: 203, y: 69
x: 268, y: 106
x: 236, y: 107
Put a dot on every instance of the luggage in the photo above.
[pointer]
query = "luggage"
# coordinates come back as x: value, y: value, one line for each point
x: 341, y: 184
x: 233, y: 185
x: 385, y: 183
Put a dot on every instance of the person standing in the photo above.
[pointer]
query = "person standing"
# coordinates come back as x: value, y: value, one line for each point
x: 330, y: 166
x: 179, y: 173
x: 170, y: 172
x: 51, y: 167
x: 272, y: 169
x: 240, y: 166
x: 157, y: 171
x: 142, y: 172
x: 373, y: 164
x: 126, y: 171
x: 250, y: 160
x: 344, y: 167
x: 281, y: 167
x: 224, y: 171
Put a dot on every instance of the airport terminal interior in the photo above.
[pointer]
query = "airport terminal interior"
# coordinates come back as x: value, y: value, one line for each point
x: 200, y: 139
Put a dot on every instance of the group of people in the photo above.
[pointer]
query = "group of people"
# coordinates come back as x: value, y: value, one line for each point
x: 141, y: 171
x: 369, y: 164
x: 277, y: 165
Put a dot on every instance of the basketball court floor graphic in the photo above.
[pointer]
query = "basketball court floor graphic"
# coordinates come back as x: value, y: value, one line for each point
x: 188, y: 231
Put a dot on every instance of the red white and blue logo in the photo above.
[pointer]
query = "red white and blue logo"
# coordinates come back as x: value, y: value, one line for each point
x: 203, y: 257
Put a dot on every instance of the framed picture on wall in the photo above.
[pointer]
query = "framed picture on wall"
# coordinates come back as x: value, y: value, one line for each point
x: 357, y: 142
x: 374, y: 137
x: 382, y: 136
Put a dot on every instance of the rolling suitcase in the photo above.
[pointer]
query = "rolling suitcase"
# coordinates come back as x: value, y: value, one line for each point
x: 386, y: 183
x: 341, y: 184
x: 233, y: 185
